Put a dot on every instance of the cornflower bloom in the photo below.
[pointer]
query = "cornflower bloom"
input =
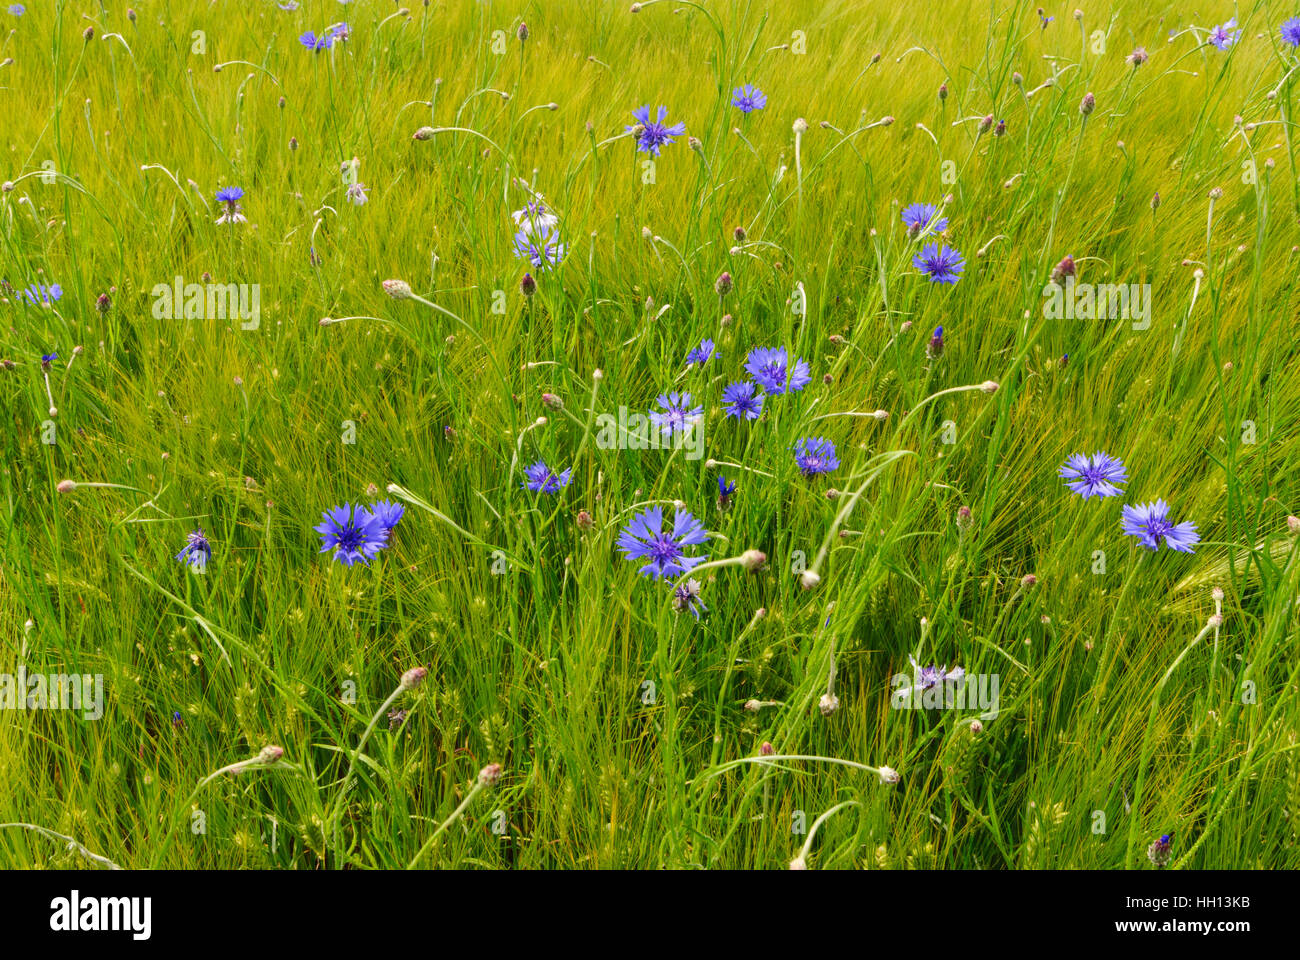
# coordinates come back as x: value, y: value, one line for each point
x: 664, y: 551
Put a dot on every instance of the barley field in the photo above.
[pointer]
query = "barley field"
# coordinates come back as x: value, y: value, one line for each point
x: 721, y: 434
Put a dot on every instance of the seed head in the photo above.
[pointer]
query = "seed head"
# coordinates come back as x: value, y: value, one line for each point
x: 398, y: 289
x: 413, y: 678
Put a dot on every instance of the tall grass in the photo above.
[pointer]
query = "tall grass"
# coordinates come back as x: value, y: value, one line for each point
x: 620, y: 724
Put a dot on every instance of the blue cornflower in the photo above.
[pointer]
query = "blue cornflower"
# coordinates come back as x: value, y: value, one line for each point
x: 41, y: 294
x: 922, y: 216
x: 356, y: 193
x: 47, y: 359
x: 748, y: 98
x: 654, y: 133
x: 340, y: 31
x: 725, y: 491
x: 1224, y: 35
x: 1291, y: 32
x: 541, y: 479
x: 17, y: 9
x: 925, y: 678
x: 1150, y: 521
x: 1094, y: 476
x: 388, y: 514
x: 196, y: 552
x: 935, y: 347
x: 676, y: 415
x: 313, y: 42
x: 177, y: 720
x: 815, y: 455
x: 939, y: 262
x: 352, y: 534
x: 770, y: 367
x: 231, y: 196
x: 743, y: 400
x: 701, y: 354
x: 1161, y: 850
x: 540, y: 246
x: 1044, y: 18
x: 644, y: 539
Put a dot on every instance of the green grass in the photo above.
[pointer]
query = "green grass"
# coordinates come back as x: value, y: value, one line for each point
x: 541, y: 640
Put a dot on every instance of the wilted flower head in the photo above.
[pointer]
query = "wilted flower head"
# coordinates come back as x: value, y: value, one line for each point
x: 940, y: 263
x: 770, y: 367
x: 664, y: 551
x: 1150, y: 523
x: 352, y: 534
x: 687, y: 598
x: 1065, y: 268
x: 1138, y: 57
x: 541, y: 479
x: 815, y: 455
x: 1095, y: 476
x: 357, y: 193
x: 196, y: 552
x: 651, y: 135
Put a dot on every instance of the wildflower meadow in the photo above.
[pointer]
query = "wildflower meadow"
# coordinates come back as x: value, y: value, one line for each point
x: 687, y: 434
